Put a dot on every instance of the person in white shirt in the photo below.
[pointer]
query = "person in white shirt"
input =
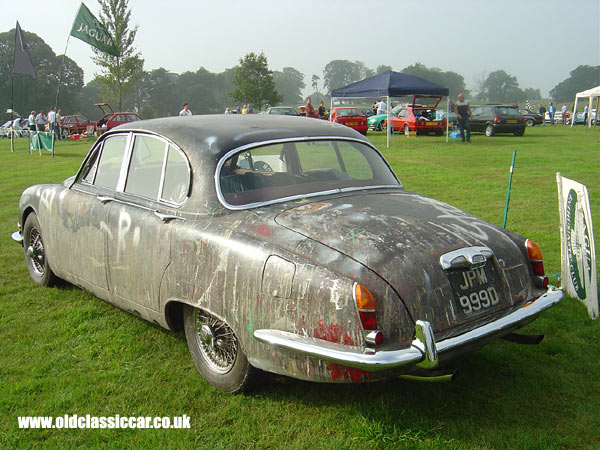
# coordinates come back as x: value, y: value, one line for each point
x: 52, y: 119
x: 40, y: 121
x: 185, y: 111
x: 31, y: 121
x: 381, y: 107
x: 564, y: 114
x: 586, y: 110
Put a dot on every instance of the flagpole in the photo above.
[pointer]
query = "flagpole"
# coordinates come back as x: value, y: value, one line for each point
x: 12, y: 112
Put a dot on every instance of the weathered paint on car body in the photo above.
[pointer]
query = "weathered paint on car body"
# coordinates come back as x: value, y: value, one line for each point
x: 287, y: 267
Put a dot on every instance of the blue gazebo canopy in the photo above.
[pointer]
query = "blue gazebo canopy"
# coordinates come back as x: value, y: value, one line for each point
x: 390, y: 84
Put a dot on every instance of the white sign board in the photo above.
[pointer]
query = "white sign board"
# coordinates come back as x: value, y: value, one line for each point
x: 578, y: 253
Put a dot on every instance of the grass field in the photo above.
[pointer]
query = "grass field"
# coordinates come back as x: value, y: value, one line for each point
x: 65, y: 352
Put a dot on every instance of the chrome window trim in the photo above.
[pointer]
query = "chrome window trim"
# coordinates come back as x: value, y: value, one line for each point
x: 108, y: 134
x: 252, y: 145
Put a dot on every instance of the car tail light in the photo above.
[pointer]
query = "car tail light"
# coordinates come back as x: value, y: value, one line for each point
x: 365, y: 303
x: 497, y: 119
x: 534, y: 253
x: 523, y: 120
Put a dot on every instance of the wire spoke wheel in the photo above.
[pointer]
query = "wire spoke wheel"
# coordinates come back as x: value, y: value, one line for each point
x: 35, y: 253
x: 217, y: 342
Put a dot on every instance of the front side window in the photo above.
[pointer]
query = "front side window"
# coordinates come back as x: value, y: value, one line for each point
x: 109, y: 167
x: 291, y: 169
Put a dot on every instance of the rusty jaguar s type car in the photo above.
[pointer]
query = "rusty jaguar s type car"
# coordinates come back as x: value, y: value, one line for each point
x: 281, y: 244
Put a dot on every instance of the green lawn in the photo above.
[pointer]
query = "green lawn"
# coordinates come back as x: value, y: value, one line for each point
x: 65, y: 352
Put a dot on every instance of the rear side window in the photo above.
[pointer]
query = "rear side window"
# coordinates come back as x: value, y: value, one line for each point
x: 177, y: 177
x: 109, y: 166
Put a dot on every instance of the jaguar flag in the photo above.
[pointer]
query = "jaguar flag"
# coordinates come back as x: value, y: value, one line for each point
x: 578, y: 254
x: 89, y: 29
x: 22, y: 60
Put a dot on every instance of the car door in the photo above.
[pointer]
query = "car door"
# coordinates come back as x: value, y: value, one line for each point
x: 84, y: 214
x: 140, y: 220
x: 478, y: 119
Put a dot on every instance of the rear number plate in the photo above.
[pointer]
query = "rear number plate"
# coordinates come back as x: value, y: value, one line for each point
x: 511, y: 121
x: 351, y: 123
x: 475, y: 290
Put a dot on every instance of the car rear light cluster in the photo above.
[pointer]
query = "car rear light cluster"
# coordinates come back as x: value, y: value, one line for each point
x: 497, y: 119
x: 365, y: 303
x: 534, y: 253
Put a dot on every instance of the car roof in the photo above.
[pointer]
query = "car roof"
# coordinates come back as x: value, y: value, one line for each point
x: 217, y: 134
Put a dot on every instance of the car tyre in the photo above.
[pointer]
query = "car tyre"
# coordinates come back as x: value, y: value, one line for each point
x: 217, y: 351
x: 35, y: 253
x: 489, y: 130
x: 530, y: 122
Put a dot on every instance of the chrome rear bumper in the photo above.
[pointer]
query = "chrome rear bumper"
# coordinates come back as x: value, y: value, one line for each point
x: 424, y: 351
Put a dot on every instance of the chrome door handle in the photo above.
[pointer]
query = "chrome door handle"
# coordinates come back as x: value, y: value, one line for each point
x: 167, y: 217
x: 103, y: 199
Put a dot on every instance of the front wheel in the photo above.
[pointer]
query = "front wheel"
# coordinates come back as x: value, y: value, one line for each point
x: 35, y: 253
x: 489, y: 130
x: 217, y: 352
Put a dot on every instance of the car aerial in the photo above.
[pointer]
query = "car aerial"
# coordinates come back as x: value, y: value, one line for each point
x: 419, y: 117
x: 375, y: 121
x: 531, y: 118
x: 75, y: 124
x: 280, y: 244
x: 112, y: 119
x: 494, y: 119
x: 350, y: 116
x: 282, y: 111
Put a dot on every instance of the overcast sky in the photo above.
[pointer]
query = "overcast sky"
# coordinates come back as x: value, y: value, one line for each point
x: 538, y: 41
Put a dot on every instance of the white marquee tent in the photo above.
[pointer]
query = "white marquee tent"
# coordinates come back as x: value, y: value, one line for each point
x: 591, y: 94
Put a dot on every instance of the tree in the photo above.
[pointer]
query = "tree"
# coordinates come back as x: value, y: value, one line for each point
x: 451, y: 80
x: 532, y: 94
x: 289, y: 83
x: 119, y: 73
x: 502, y: 87
x: 156, y: 97
x: 382, y: 68
x: 315, y: 82
x: 40, y: 92
x: 581, y: 78
x: 480, y: 88
x: 340, y: 72
x: 253, y: 82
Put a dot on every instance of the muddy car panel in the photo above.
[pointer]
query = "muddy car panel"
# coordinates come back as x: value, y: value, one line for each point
x: 281, y: 270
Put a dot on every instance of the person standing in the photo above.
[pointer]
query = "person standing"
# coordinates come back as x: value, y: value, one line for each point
x: 322, y: 110
x: 309, y: 108
x: 462, y: 109
x: 58, y: 129
x: 244, y: 109
x: 542, y: 112
x: 249, y: 109
x: 564, y: 110
x: 551, y: 111
x: 31, y: 121
x: 381, y: 107
x: 52, y: 120
x: 185, y: 111
x: 40, y: 121
x: 238, y: 110
x: 585, y: 114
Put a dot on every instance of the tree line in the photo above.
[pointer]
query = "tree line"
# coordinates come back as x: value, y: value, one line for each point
x: 160, y: 92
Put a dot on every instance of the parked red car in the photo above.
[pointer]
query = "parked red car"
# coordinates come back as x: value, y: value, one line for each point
x: 75, y: 124
x: 420, y: 116
x: 112, y: 119
x: 351, y: 117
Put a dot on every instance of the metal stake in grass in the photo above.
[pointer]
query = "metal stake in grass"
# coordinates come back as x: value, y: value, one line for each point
x: 512, y: 167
